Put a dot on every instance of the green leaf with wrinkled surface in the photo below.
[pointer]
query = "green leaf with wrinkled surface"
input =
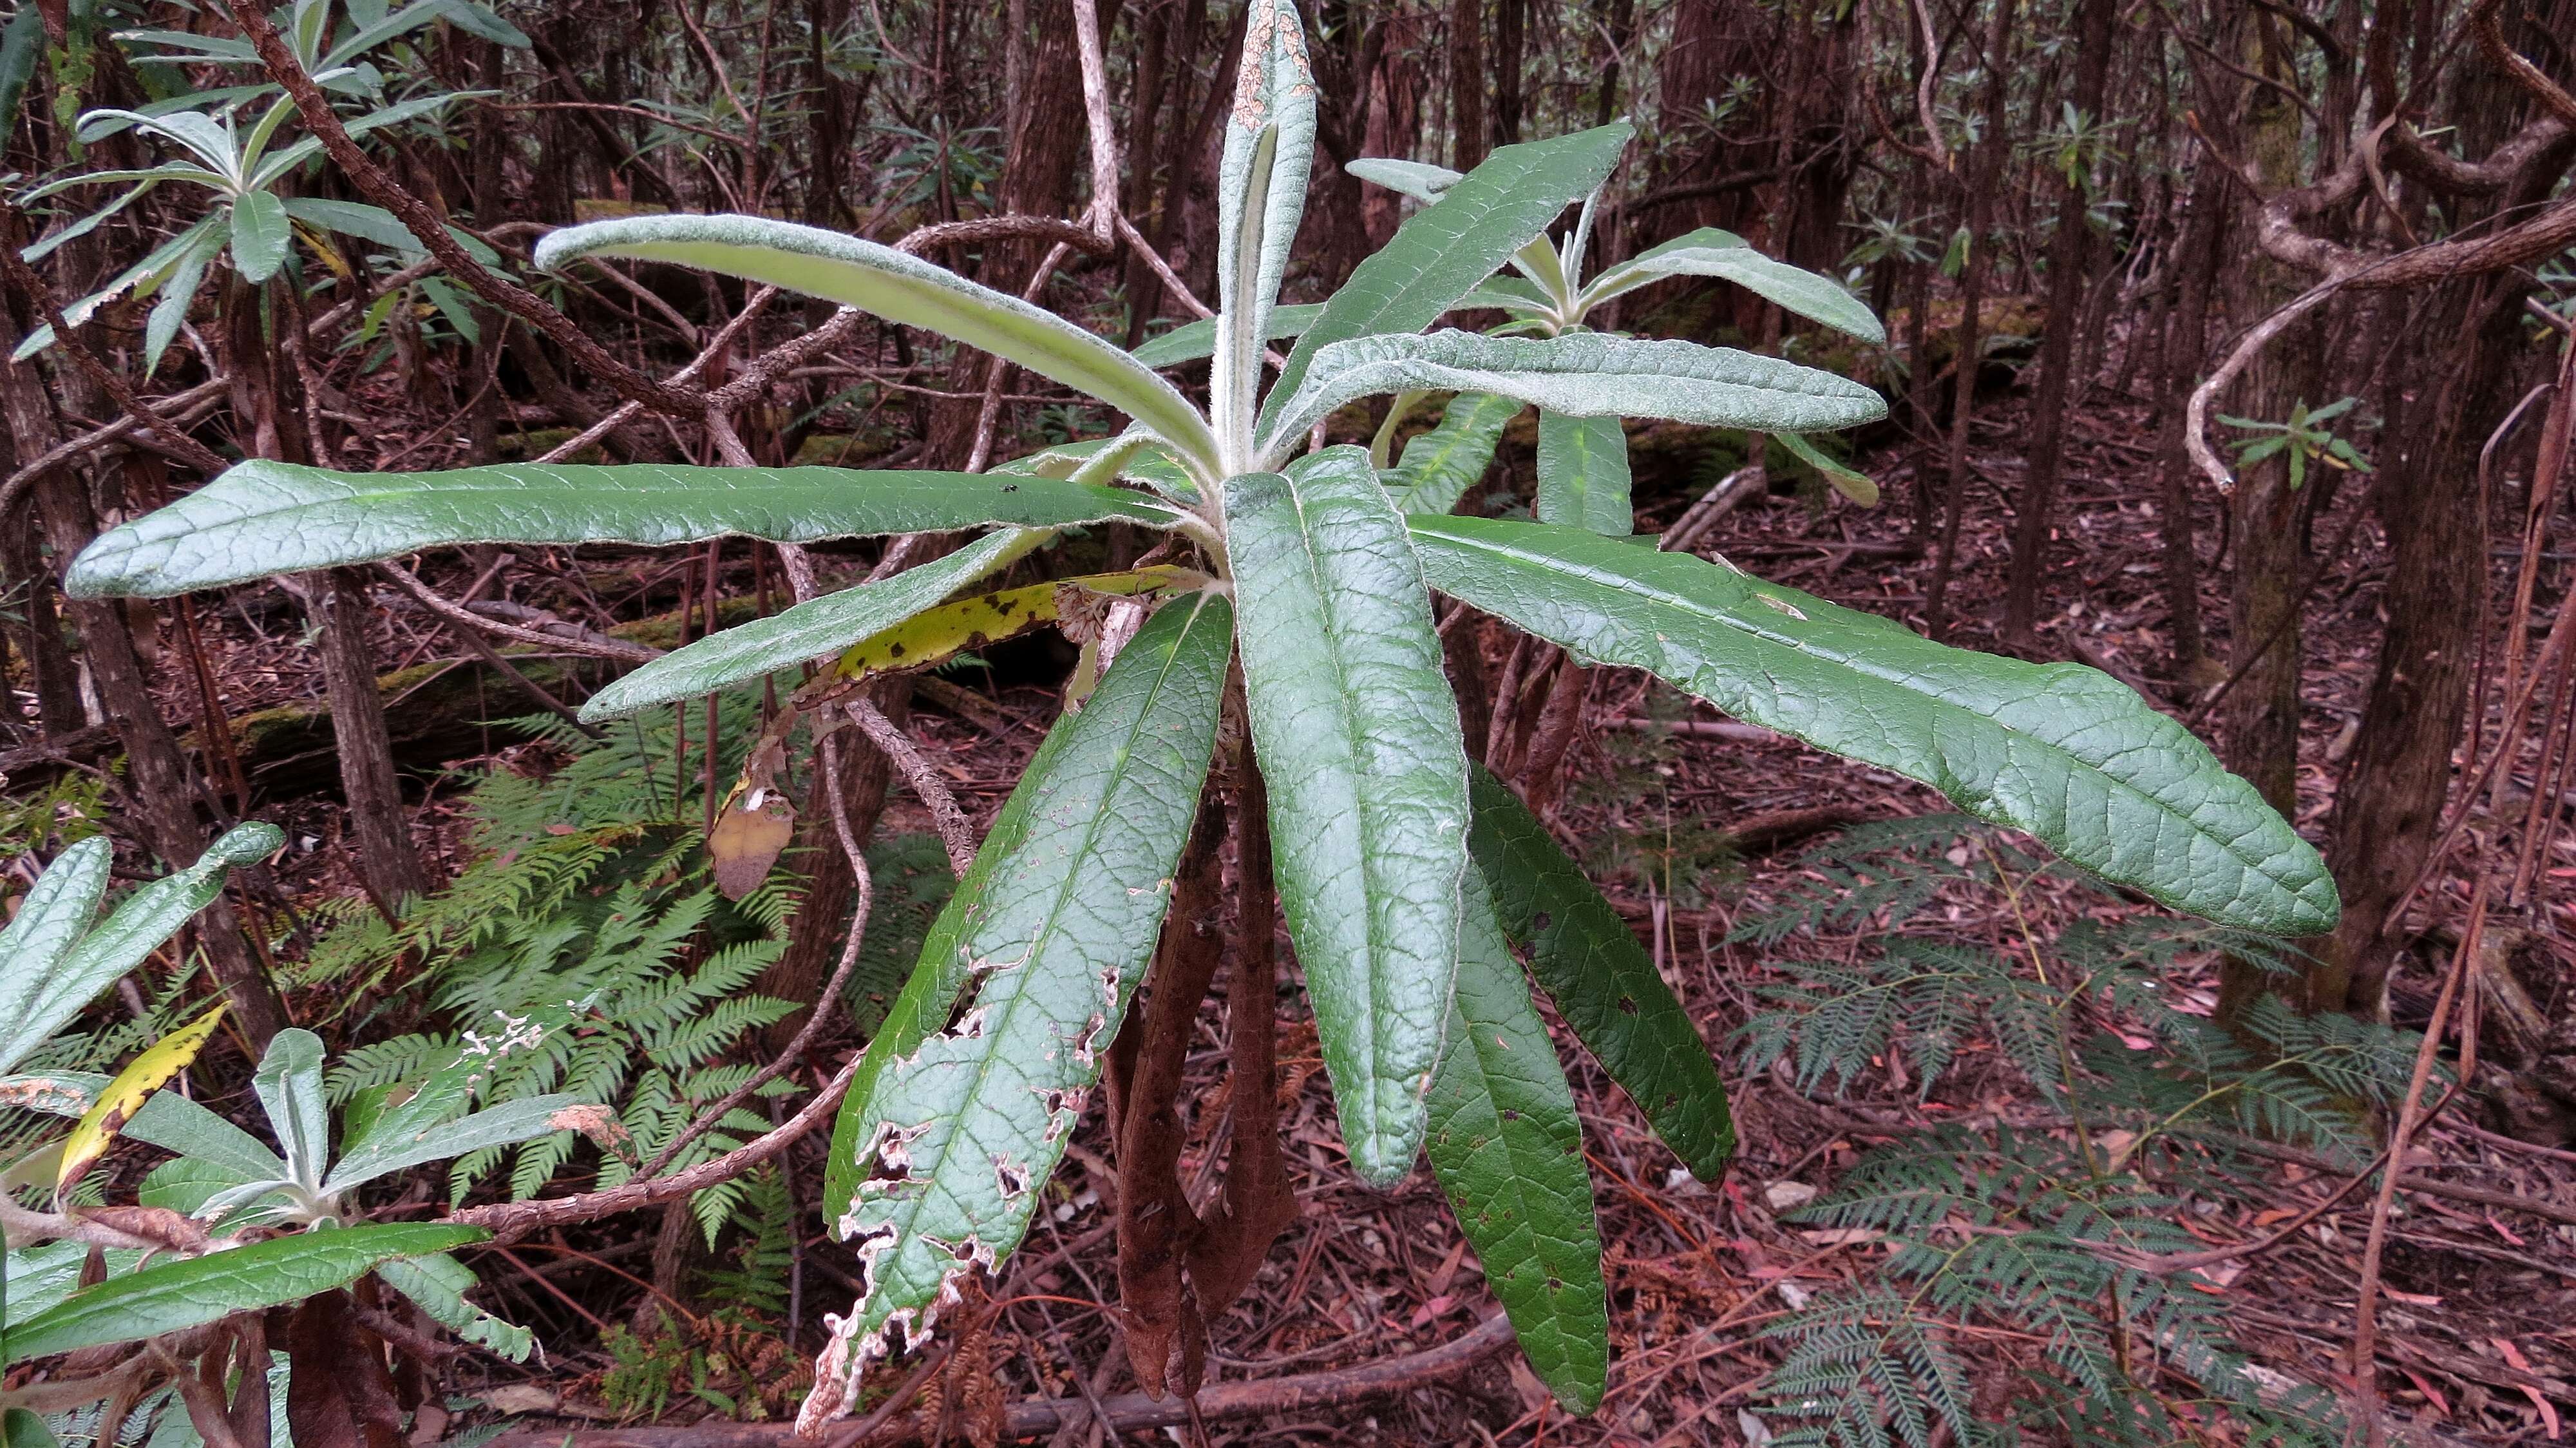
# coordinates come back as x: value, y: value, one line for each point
x: 1439, y: 466
x: 1795, y: 289
x: 941, y: 972
x: 1442, y: 251
x: 289, y: 1085
x: 962, y: 1130
x: 884, y: 282
x: 1603, y: 982
x: 264, y: 518
x: 174, y: 1123
x: 50, y: 920
x: 1357, y: 734
x: 1508, y: 1149
x: 2059, y: 750
x: 808, y: 631
x: 260, y: 234
x: 172, y: 1296
x: 1583, y: 474
x: 1587, y: 374
x: 438, y: 1283
x: 148, y: 917
x: 1192, y: 341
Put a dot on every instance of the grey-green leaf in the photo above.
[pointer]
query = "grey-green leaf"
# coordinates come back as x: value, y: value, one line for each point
x: 1442, y: 251
x: 174, y: 1296
x: 148, y: 917
x: 1853, y: 485
x: 260, y: 234
x: 1192, y: 341
x: 381, y: 1153
x: 1439, y: 466
x: 929, y: 995
x: 962, y: 1131
x: 808, y: 631
x: 2062, y: 751
x: 1357, y: 734
x: 887, y: 283
x: 1795, y: 289
x: 1421, y: 180
x: 289, y: 1086
x: 1586, y: 374
x: 174, y: 1123
x: 1583, y: 474
x: 1603, y: 982
x: 263, y: 518
x: 57, y: 910
x: 1261, y: 196
x: 1507, y: 1147
x: 439, y: 1283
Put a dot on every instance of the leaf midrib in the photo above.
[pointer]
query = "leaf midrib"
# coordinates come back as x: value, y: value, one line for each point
x: 1634, y: 588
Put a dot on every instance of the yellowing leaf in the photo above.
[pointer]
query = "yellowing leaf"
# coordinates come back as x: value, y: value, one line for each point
x: 972, y: 623
x: 124, y: 1095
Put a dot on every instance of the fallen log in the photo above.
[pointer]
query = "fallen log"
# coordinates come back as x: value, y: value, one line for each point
x: 1127, y: 1413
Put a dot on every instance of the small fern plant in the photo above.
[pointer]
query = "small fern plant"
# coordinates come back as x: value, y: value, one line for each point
x: 587, y: 892
x: 1297, y: 600
x: 2051, y: 1228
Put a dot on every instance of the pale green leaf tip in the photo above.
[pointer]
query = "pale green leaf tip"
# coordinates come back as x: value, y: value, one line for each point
x: 247, y: 844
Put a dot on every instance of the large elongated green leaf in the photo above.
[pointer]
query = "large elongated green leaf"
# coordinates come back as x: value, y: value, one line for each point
x: 174, y: 1296
x: 1439, y: 466
x: 887, y: 283
x: 1603, y: 982
x: 1358, y: 736
x: 2062, y: 751
x: 1508, y: 1149
x: 1261, y: 195
x: 1587, y: 374
x: 810, y: 630
x: 175, y: 1123
x: 148, y: 917
x: 1583, y: 474
x: 1819, y: 299
x: 963, y: 1129
x: 1191, y: 341
x: 263, y: 518
x: 439, y: 1283
x: 1442, y: 251
x: 942, y: 971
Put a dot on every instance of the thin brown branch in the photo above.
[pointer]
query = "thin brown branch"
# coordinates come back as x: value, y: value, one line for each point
x: 954, y: 830
x: 446, y: 608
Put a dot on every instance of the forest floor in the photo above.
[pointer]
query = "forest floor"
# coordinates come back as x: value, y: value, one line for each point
x: 2480, y: 1297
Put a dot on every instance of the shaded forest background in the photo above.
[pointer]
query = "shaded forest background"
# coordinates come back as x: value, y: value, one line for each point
x: 2229, y: 343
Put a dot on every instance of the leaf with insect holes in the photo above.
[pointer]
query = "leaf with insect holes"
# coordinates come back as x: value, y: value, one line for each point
x: 959, y: 1129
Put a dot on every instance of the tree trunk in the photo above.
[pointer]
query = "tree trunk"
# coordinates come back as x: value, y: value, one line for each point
x: 2069, y: 256
x: 1469, y: 141
x: 2389, y: 808
x: 387, y: 860
x: 1511, y: 29
x: 1987, y: 167
x: 2186, y: 342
